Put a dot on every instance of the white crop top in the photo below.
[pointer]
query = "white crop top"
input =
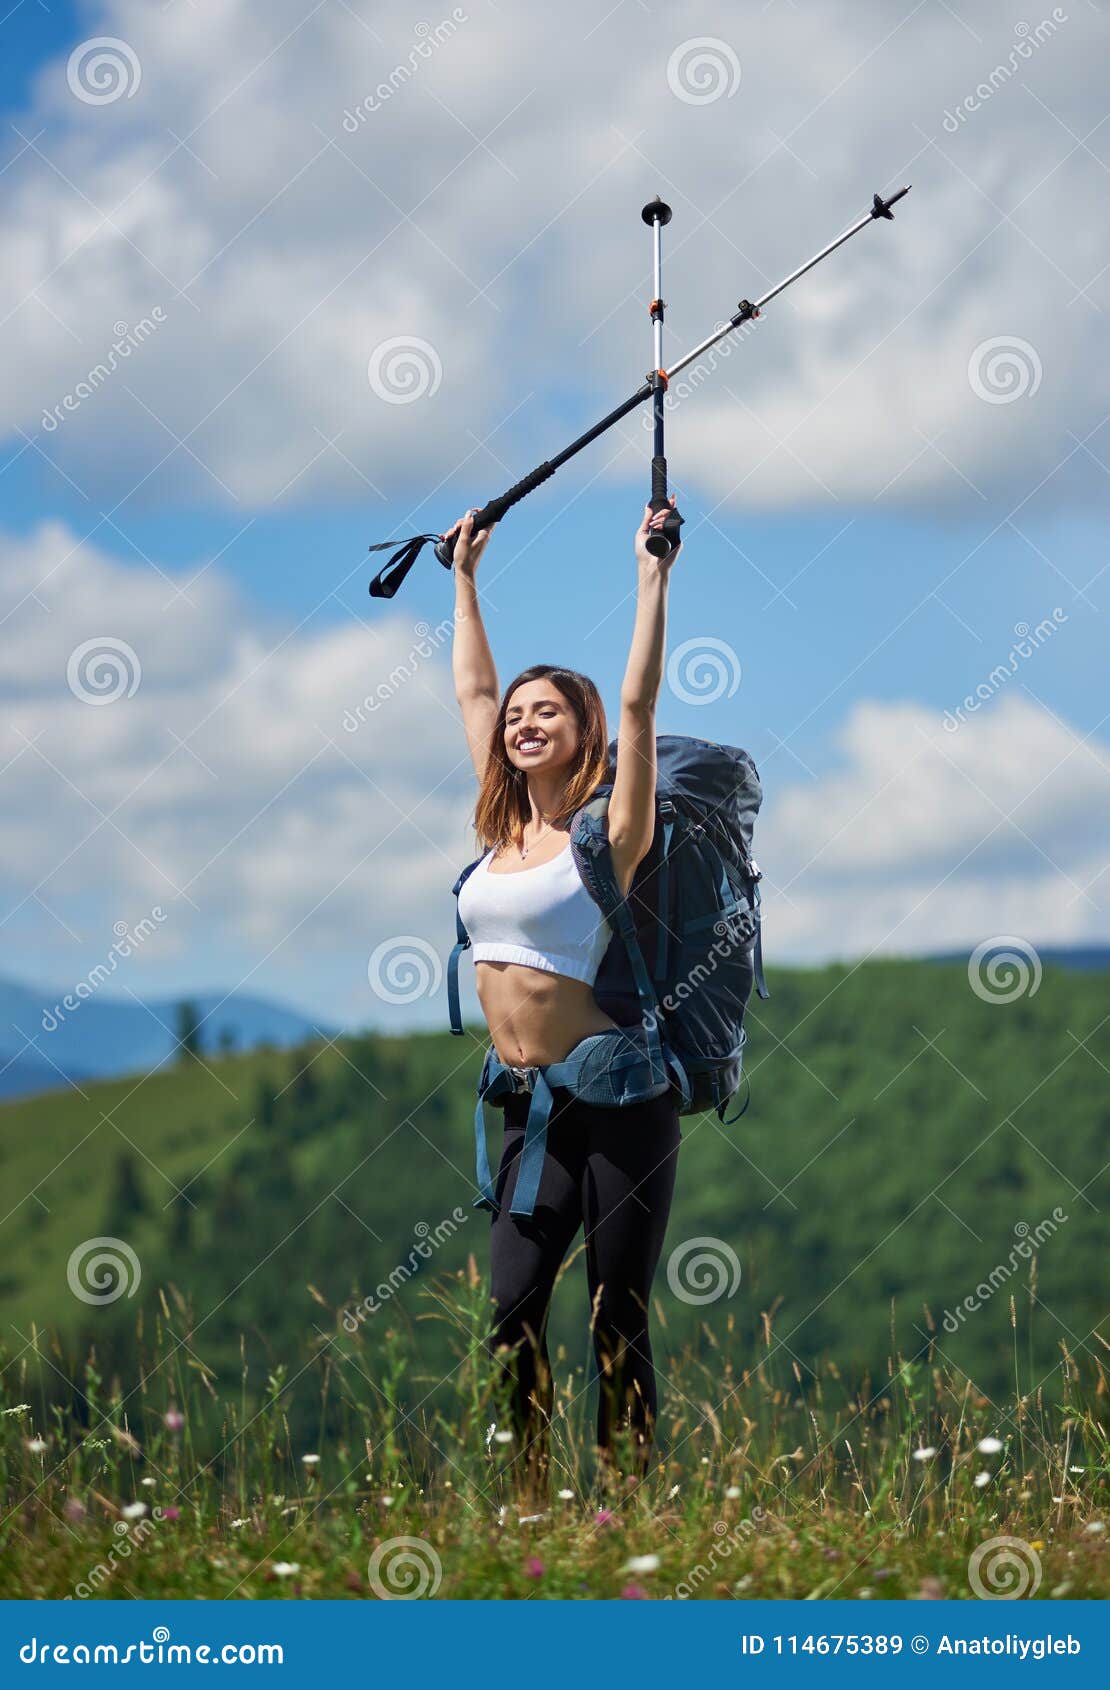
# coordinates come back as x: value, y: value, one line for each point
x: 542, y: 917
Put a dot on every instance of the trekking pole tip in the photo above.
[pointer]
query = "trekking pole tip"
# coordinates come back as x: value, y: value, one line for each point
x: 656, y: 210
x: 880, y: 207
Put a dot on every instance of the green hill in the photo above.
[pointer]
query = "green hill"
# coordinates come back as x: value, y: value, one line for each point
x: 907, y: 1142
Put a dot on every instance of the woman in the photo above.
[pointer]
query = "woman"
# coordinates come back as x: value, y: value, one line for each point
x: 538, y: 940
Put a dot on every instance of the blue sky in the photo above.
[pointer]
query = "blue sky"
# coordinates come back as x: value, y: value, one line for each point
x: 904, y: 463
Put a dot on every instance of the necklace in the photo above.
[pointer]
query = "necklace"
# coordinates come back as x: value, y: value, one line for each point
x: 524, y: 849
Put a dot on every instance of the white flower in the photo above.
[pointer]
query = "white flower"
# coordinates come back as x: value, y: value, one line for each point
x: 388, y: 1501
x: 284, y: 1569
x: 17, y: 1408
x: 642, y: 1564
x: 235, y: 1524
x: 1095, y: 1526
x: 1077, y: 1469
x: 672, y: 1492
x: 982, y: 1479
x: 529, y: 1519
x: 502, y: 1437
x: 566, y: 1496
x: 134, y: 1510
x: 37, y: 1446
x: 732, y: 1492
x: 989, y: 1446
x: 926, y: 1453
x: 148, y: 1482
x: 309, y: 1460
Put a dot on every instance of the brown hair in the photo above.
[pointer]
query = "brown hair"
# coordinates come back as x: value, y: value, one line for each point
x: 502, y: 808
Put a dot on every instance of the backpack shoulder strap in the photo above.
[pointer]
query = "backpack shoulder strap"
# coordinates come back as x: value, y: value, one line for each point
x: 590, y: 846
x: 462, y: 943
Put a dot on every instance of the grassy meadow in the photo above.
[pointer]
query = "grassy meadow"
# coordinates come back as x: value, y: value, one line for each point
x: 283, y: 1390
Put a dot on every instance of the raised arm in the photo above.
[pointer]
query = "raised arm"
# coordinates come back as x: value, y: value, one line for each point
x: 632, y: 804
x: 476, y: 685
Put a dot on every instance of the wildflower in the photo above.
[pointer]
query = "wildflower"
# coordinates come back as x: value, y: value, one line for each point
x: 310, y: 1460
x: 882, y: 1573
x: 926, y: 1453
x: 530, y: 1519
x: 171, y: 1514
x: 17, y: 1408
x: 642, y: 1564
x: 603, y: 1517
x: 633, y: 1593
x: 989, y: 1446
x: 173, y: 1420
x: 732, y: 1492
x: 74, y: 1508
x: 566, y: 1496
x: 672, y: 1492
x: 285, y: 1569
x: 148, y: 1482
x: 388, y: 1501
x: 1095, y: 1526
x: 502, y: 1437
x: 235, y: 1524
x: 1077, y: 1469
x: 37, y: 1446
x: 982, y: 1479
x: 534, y: 1568
x: 134, y: 1510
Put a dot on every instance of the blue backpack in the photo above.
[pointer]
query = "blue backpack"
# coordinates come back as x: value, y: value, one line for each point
x: 687, y: 940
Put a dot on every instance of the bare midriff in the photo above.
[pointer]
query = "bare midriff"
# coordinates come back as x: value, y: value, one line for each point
x: 535, y: 1017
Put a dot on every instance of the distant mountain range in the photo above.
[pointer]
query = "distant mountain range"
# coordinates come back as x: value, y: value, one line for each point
x: 42, y: 1045
x: 104, y: 1037
x: 1088, y: 958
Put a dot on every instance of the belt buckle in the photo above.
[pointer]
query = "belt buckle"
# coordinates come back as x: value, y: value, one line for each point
x: 521, y: 1078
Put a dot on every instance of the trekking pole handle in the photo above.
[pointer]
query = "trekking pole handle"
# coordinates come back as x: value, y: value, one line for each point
x: 663, y: 540
x: 495, y: 510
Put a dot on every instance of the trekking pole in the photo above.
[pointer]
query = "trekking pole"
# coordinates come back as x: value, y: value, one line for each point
x: 665, y: 538
x: 390, y: 576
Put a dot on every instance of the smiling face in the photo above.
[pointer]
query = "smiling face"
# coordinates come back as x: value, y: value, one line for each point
x: 541, y: 730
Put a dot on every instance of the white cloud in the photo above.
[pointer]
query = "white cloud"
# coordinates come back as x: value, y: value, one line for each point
x: 920, y: 839
x: 303, y: 246
x: 227, y: 780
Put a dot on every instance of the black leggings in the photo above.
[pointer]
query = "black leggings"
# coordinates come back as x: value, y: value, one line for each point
x: 613, y: 1171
